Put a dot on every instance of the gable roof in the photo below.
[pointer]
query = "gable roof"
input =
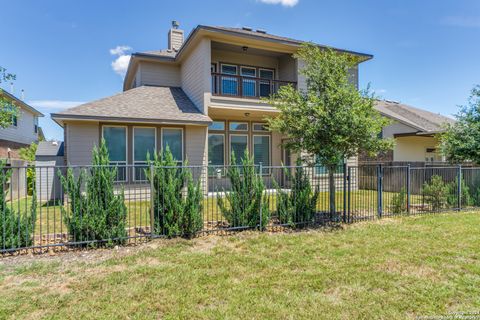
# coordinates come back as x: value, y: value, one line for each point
x: 142, y: 104
x: 20, y: 103
x: 49, y: 148
x: 422, y: 120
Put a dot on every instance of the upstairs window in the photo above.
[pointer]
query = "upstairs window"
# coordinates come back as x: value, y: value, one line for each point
x: 35, y: 124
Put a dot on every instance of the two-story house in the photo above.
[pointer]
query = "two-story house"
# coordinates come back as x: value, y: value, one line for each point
x: 24, y: 129
x: 201, y: 97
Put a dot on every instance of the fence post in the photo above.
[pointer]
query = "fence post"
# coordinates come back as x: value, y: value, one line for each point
x: 408, y: 188
x: 344, y: 192
x: 379, y: 191
x: 349, y: 188
x: 459, y: 187
x: 261, y: 201
x: 152, y: 202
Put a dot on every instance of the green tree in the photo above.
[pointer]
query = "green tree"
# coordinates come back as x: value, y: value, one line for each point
x: 331, y: 120
x: 16, y: 228
x: 244, y: 204
x: 96, y: 212
x: 177, y: 212
x: 8, y: 109
x: 461, y: 139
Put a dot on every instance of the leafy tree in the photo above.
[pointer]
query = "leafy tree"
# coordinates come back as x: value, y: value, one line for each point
x: 299, y: 205
x: 244, y: 204
x: 331, y: 119
x: 98, y: 214
x: 7, y: 108
x: 461, y: 140
x: 175, y: 213
x: 28, y: 154
x: 16, y: 228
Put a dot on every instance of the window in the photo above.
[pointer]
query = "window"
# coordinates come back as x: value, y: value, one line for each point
x: 116, y: 141
x: 319, y: 169
x: 260, y: 127
x: 35, y: 124
x: 216, y: 151
x: 213, y: 69
x: 144, y: 141
x: 173, y: 138
x: 261, y: 150
x: 217, y: 125
x: 432, y: 155
x: 248, y: 86
x: 238, y: 126
x: 14, y: 120
x: 238, y: 145
x: 229, y: 84
x: 266, y: 85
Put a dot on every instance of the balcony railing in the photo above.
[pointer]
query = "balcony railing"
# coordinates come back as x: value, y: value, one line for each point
x: 245, y: 87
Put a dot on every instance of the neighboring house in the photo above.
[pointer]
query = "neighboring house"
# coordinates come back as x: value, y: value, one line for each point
x: 201, y: 96
x: 414, y: 131
x: 23, y: 131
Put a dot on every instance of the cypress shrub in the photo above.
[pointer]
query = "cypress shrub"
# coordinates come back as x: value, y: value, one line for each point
x: 16, y: 228
x: 399, y: 201
x: 452, y: 198
x: 244, y: 205
x: 298, y: 205
x: 176, y: 213
x: 436, y: 192
x: 98, y: 213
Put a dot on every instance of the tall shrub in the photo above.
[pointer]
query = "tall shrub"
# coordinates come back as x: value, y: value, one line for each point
x: 299, y: 205
x: 98, y: 213
x: 176, y: 213
x: 244, y: 204
x: 399, y: 201
x: 452, y: 198
x: 436, y: 193
x: 16, y: 228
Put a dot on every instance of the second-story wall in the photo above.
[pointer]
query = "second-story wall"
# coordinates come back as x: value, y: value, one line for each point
x: 158, y: 74
x: 195, y: 75
x: 24, y: 132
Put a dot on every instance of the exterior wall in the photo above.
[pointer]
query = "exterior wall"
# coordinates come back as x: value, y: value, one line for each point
x: 47, y: 182
x: 81, y: 137
x: 287, y: 69
x: 412, y: 148
x: 397, y: 128
x: 23, y: 132
x: 14, y: 148
x: 220, y: 56
x: 196, y: 148
x: 158, y: 74
x: 195, y: 75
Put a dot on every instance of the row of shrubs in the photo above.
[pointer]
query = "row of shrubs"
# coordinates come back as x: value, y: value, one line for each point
x: 438, y: 194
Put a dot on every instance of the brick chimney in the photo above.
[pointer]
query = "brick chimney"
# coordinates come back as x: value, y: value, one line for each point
x: 175, y: 37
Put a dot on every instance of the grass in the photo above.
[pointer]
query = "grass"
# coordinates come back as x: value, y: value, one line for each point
x: 389, y: 269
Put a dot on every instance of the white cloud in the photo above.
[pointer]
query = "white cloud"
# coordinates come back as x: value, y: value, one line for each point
x: 120, y: 64
x: 50, y: 105
x: 285, y: 3
x: 462, y: 21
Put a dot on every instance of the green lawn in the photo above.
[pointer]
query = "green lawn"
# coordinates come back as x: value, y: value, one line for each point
x: 388, y: 269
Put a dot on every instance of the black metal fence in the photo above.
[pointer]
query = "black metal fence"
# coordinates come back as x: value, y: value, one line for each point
x: 71, y: 207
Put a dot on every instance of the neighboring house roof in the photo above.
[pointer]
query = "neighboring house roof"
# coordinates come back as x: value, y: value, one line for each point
x: 21, y: 103
x: 141, y: 104
x: 49, y: 148
x: 422, y: 120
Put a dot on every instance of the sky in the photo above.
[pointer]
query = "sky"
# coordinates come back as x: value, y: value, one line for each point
x: 64, y: 53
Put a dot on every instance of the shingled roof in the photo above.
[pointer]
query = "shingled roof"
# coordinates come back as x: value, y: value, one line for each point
x: 141, y: 104
x: 422, y: 120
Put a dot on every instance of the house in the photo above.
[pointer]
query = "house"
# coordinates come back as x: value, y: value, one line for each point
x: 24, y: 129
x: 201, y: 97
x: 414, y: 131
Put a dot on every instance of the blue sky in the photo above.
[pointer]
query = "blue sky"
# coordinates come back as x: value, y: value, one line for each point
x: 426, y: 53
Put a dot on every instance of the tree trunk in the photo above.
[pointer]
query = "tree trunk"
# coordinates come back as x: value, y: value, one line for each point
x: 331, y: 189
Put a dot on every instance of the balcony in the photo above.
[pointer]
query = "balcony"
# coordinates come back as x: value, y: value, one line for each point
x: 231, y: 85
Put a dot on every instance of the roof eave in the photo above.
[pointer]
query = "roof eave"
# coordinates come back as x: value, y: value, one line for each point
x: 60, y: 118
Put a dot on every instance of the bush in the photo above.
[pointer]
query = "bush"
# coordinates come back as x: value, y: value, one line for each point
x: 98, y: 213
x: 16, y: 229
x: 244, y: 205
x: 299, y: 205
x: 436, y: 193
x: 174, y: 213
x: 399, y: 202
x: 452, y: 198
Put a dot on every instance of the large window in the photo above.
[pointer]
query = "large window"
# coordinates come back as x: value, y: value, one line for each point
x: 238, y: 126
x: 116, y: 141
x: 248, y: 86
x: 266, y: 85
x: 261, y: 150
x: 238, y: 145
x: 173, y: 138
x: 229, y: 84
x: 144, y: 142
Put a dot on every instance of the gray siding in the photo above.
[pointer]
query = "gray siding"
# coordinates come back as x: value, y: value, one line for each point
x: 81, y: 138
x: 287, y: 69
x: 23, y: 132
x: 195, y: 73
x: 158, y: 74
